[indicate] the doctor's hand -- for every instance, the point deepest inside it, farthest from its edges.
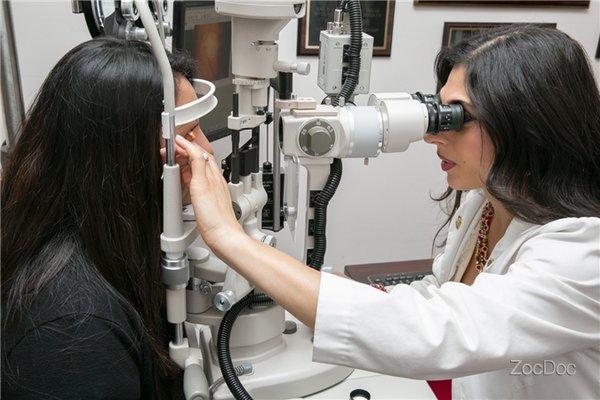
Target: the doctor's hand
(286, 280)
(185, 169)
(210, 196)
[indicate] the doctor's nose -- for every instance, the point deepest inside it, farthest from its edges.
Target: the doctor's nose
(440, 138)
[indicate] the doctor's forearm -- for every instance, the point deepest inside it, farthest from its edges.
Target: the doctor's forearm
(290, 283)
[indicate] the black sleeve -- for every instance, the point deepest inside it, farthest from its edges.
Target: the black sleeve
(73, 357)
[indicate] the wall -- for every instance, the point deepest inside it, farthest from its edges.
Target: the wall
(383, 211)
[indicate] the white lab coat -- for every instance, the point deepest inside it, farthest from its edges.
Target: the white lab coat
(536, 305)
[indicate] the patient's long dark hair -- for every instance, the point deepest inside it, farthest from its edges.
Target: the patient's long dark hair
(535, 95)
(83, 182)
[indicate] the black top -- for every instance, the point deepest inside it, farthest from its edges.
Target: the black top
(77, 341)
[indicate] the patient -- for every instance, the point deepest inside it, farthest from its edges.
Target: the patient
(82, 298)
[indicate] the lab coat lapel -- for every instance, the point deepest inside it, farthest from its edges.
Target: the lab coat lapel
(505, 250)
(463, 222)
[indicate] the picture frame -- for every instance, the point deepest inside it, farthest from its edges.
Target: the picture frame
(201, 32)
(560, 3)
(455, 32)
(378, 21)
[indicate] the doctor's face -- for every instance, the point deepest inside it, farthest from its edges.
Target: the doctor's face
(466, 154)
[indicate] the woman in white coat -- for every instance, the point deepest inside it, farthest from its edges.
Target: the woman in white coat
(512, 309)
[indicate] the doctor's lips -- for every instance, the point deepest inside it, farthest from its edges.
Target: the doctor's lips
(446, 164)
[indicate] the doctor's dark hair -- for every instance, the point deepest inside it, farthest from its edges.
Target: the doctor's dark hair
(534, 94)
(82, 187)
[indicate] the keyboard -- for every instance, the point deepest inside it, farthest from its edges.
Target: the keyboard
(395, 278)
(389, 273)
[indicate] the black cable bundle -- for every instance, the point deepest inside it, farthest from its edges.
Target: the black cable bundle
(320, 218)
(223, 354)
(335, 176)
(353, 71)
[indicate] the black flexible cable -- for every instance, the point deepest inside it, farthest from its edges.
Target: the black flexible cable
(353, 71)
(335, 176)
(223, 337)
(320, 218)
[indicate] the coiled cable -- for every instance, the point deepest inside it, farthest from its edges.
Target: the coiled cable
(353, 71)
(320, 218)
(223, 354)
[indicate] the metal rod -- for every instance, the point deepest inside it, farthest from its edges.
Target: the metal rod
(76, 7)
(172, 219)
(178, 334)
(170, 138)
(284, 91)
(255, 143)
(170, 152)
(236, 104)
(235, 142)
(159, 14)
(203, 342)
(235, 157)
(276, 172)
(13, 106)
(270, 125)
(160, 54)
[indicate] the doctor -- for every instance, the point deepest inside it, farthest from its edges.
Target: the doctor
(512, 309)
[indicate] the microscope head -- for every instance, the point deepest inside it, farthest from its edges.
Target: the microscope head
(262, 9)
(255, 27)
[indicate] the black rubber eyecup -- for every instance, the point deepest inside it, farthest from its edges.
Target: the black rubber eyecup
(360, 394)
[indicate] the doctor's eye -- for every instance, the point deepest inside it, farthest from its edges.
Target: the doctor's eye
(468, 118)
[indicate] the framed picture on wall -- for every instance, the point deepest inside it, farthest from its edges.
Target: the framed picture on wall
(568, 3)
(378, 21)
(455, 32)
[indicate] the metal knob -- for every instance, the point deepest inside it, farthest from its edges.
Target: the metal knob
(301, 68)
(317, 137)
(224, 300)
(270, 240)
(319, 140)
(289, 211)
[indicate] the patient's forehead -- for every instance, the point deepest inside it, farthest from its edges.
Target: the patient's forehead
(184, 92)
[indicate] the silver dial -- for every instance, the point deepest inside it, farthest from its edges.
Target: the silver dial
(316, 138)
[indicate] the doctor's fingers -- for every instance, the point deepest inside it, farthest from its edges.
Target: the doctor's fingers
(186, 174)
(197, 156)
(213, 169)
(180, 153)
(206, 173)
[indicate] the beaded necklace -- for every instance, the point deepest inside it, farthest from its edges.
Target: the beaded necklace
(482, 245)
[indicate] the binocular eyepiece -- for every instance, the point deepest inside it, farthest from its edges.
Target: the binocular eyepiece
(442, 117)
(388, 124)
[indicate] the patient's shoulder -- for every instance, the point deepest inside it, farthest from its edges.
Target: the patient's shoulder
(77, 295)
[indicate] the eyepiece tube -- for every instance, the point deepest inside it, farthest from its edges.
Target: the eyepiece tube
(441, 117)
(404, 120)
(388, 124)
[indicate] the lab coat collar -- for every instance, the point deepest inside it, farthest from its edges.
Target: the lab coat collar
(465, 222)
